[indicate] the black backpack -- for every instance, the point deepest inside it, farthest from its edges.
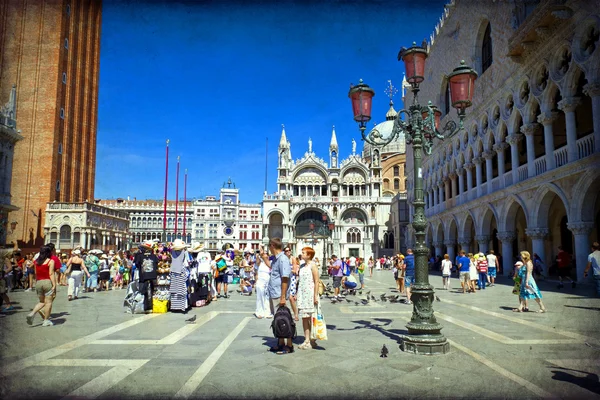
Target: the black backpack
(283, 324)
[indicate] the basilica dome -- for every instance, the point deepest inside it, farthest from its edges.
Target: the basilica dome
(398, 145)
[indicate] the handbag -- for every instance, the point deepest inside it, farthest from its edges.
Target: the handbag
(319, 328)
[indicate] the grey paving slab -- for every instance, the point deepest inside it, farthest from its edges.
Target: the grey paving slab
(347, 365)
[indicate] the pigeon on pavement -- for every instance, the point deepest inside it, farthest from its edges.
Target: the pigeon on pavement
(191, 320)
(384, 352)
(437, 298)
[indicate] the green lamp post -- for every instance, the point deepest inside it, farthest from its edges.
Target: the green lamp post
(420, 127)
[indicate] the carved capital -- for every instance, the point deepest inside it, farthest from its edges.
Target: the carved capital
(452, 175)
(449, 243)
(547, 118)
(438, 244)
(459, 170)
(530, 129)
(514, 139)
(536, 233)
(592, 89)
(487, 155)
(478, 160)
(569, 104)
(469, 165)
(506, 236)
(500, 147)
(482, 238)
(580, 228)
(445, 179)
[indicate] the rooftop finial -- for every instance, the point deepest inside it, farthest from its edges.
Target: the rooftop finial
(390, 90)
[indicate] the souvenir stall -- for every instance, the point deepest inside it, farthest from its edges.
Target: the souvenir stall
(161, 294)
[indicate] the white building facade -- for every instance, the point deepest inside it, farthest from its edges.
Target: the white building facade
(226, 221)
(312, 194)
(524, 174)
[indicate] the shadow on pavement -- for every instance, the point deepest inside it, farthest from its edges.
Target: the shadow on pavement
(585, 308)
(590, 382)
(393, 334)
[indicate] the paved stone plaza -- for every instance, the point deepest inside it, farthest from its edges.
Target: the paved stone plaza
(95, 350)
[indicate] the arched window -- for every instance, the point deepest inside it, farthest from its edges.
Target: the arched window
(353, 235)
(396, 184)
(396, 170)
(486, 49)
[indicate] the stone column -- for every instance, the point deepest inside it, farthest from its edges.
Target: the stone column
(529, 131)
(478, 175)
(450, 249)
(465, 244)
(568, 106)
(446, 188)
(461, 181)
(593, 90)
(507, 239)
(514, 140)
(441, 191)
(435, 196)
(546, 119)
(439, 251)
(84, 240)
(538, 238)
(453, 184)
(581, 232)
(499, 148)
(430, 196)
(483, 241)
(469, 167)
(489, 170)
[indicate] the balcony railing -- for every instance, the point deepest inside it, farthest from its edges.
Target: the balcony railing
(540, 165)
(585, 146)
(522, 171)
(561, 156)
(496, 184)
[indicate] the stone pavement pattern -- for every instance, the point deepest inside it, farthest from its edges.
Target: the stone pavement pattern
(96, 350)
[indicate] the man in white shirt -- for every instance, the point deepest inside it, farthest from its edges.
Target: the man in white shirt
(594, 263)
(352, 263)
(492, 266)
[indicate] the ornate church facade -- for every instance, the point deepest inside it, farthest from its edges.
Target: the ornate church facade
(338, 207)
(524, 174)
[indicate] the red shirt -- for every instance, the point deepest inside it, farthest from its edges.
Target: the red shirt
(564, 259)
(482, 265)
(42, 271)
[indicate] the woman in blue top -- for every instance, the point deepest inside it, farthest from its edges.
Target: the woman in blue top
(529, 289)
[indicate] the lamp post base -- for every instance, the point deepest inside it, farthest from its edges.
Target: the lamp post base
(425, 344)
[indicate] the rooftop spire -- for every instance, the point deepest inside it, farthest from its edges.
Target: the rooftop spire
(333, 143)
(283, 142)
(390, 90)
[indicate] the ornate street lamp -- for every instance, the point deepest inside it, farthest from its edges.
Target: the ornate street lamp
(327, 228)
(420, 128)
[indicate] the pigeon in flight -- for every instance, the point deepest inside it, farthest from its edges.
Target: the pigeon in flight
(384, 352)
(191, 320)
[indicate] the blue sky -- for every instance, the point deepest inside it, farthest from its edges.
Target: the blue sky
(219, 78)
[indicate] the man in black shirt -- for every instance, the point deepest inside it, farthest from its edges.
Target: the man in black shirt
(147, 263)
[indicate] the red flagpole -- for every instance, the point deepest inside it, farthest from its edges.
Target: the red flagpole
(165, 201)
(176, 197)
(184, 202)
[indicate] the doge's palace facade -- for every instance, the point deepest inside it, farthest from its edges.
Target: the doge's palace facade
(524, 174)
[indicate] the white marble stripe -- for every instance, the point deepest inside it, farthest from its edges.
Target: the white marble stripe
(482, 331)
(168, 340)
(100, 384)
(36, 359)
(536, 325)
(196, 379)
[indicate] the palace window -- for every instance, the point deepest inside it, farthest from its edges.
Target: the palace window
(396, 170)
(66, 43)
(353, 235)
(62, 113)
(64, 77)
(486, 49)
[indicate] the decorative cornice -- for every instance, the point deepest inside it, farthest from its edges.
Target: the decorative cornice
(514, 139)
(500, 147)
(547, 118)
(506, 236)
(530, 129)
(537, 233)
(592, 89)
(482, 238)
(569, 104)
(580, 228)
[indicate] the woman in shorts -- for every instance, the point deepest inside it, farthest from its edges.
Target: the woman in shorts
(45, 286)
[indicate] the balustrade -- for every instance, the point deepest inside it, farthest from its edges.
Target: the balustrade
(522, 172)
(561, 156)
(540, 165)
(585, 146)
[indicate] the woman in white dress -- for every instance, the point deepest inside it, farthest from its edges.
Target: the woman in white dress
(308, 294)
(263, 310)
(473, 273)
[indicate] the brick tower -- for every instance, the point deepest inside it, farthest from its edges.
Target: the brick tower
(51, 50)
